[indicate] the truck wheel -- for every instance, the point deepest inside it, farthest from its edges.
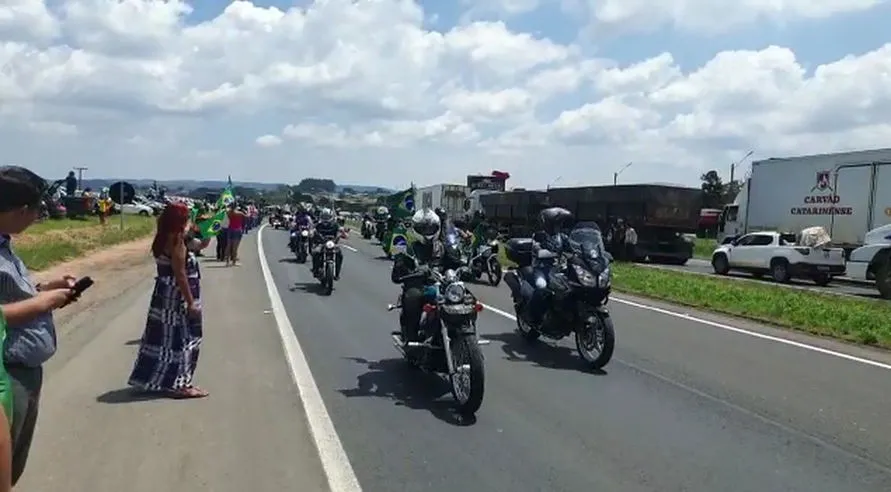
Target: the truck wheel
(883, 277)
(720, 264)
(822, 279)
(779, 270)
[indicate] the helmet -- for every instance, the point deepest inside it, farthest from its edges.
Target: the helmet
(326, 215)
(426, 224)
(441, 213)
(554, 219)
(382, 210)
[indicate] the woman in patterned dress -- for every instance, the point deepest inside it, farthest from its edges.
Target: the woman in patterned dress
(168, 352)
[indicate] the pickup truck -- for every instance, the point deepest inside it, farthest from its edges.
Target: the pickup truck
(780, 256)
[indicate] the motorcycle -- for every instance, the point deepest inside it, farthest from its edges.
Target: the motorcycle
(451, 346)
(380, 230)
(455, 253)
(328, 266)
(367, 229)
(486, 262)
(578, 290)
(300, 243)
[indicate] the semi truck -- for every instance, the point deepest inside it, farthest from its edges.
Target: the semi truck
(848, 194)
(661, 214)
(450, 197)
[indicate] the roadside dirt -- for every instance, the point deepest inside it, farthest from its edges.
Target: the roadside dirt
(115, 270)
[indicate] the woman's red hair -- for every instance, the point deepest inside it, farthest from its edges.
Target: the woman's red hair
(171, 223)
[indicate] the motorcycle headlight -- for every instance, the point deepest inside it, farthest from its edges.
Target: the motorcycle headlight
(304, 233)
(329, 244)
(605, 278)
(454, 292)
(293, 234)
(584, 276)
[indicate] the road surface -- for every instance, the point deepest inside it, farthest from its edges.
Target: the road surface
(249, 435)
(685, 406)
(838, 287)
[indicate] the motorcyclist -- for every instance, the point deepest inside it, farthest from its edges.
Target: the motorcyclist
(481, 230)
(553, 221)
(326, 230)
(424, 253)
(302, 219)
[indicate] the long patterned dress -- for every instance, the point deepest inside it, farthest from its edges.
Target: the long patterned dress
(168, 352)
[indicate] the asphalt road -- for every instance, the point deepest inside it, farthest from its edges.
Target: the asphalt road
(685, 405)
(837, 287)
(249, 435)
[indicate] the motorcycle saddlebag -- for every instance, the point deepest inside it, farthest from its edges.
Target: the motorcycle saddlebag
(519, 251)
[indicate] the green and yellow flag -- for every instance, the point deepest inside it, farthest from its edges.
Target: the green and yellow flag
(402, 203)
(212, 225)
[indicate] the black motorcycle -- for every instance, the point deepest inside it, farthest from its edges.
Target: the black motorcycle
(484, 261)
(328, 266)
(299, 244)
(367, 229)
(380, 230)
(578, 290)
(450, 346)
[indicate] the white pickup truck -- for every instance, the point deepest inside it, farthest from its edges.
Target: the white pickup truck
(780, 256)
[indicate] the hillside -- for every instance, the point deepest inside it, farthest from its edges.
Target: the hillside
(188, 185)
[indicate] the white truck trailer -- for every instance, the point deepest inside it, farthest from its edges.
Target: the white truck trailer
(450, 197)
(848, 194)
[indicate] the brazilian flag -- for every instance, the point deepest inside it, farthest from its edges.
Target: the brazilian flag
(402, 203)
(211, 226)
(398, 235)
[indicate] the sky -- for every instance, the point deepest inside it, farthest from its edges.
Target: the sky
(389, 92)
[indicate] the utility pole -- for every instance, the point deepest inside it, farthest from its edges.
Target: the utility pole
(737, 163)
(80, 176)
(617, 173)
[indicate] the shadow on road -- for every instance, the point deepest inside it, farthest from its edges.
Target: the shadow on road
(129, 395)
(136, 341)
(313, 287)
(394, 379)
(540, 353)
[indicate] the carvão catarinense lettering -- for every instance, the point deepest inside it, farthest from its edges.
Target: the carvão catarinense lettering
(822, 205)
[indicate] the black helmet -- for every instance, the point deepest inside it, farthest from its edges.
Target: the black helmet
(441, 213)
(554, 219)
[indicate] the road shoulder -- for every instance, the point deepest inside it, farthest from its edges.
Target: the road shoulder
(250, 434)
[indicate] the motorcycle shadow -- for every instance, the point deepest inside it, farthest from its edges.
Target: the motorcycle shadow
(548, 355)
(290, 259)
(314, 287)
(394, 379)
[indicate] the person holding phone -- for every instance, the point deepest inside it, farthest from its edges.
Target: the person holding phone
(31, 332)
(168, 351)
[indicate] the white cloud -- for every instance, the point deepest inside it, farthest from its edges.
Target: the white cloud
(269, 141)
(362, 92)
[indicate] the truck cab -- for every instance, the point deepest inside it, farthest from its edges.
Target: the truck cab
(872, 261)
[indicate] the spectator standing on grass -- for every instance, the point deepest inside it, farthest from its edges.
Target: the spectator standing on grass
(31, 335)
(70, 184)
(168, 351)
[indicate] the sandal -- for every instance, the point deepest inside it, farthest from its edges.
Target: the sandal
(188, 393)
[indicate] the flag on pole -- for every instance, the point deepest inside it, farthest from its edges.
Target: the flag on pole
(212, 225)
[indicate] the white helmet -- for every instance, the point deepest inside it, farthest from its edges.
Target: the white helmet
(382, 210)
(425, 223)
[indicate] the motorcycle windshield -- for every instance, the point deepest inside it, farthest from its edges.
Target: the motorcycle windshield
(591, 242)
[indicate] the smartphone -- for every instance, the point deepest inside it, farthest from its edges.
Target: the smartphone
(81, 285)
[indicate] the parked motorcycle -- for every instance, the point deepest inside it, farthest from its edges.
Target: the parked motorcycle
(485, 261)
(299, 244)
(578, 291)
(328, 266)
(450, 344)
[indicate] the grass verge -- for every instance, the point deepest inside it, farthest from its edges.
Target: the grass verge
(703, 248)
(55, 241)
(852, 319)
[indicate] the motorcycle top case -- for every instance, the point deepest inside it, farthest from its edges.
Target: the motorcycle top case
(519, 251)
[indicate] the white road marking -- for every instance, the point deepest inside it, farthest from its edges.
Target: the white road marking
(336, 464)
(350, 248)
(726, 327)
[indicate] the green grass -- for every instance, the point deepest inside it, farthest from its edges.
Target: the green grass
(55, 241)
(852, 319)
(703, 248)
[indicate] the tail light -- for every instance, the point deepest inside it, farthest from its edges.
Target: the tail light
(477, 307)
(429, 308)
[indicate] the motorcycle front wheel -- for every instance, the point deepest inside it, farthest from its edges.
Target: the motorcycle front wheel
(468, 386)
(495, 272)
(596, 341)
(328, 279)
